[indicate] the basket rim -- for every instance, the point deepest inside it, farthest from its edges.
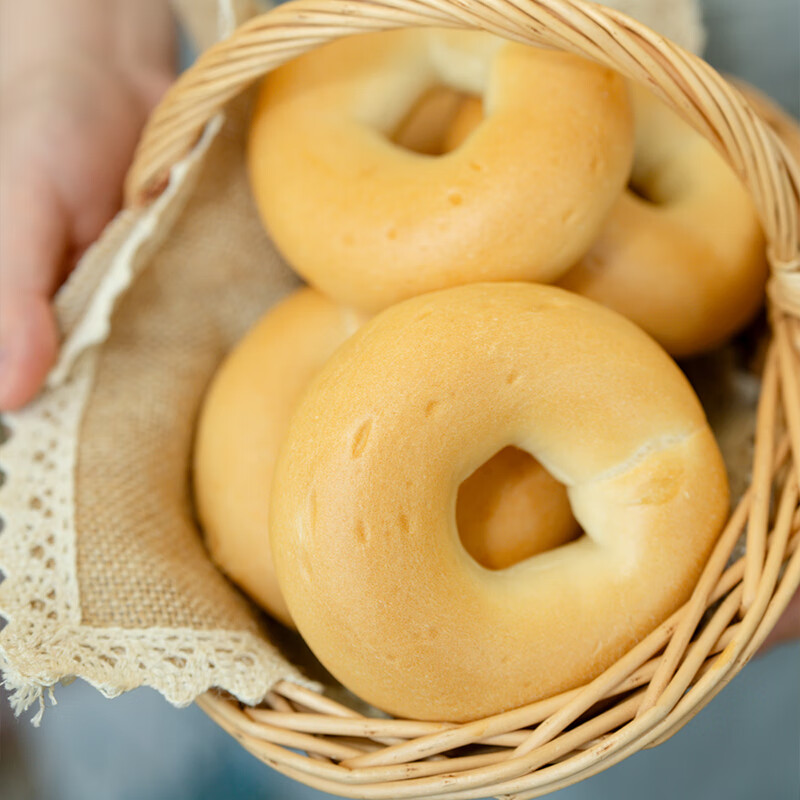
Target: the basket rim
(683, 670)
(688, 84)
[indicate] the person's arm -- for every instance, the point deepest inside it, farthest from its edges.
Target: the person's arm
(77, 81)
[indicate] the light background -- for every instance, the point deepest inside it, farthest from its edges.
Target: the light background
(745, 745)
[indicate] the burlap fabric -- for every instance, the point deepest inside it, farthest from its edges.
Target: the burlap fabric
(107, 578)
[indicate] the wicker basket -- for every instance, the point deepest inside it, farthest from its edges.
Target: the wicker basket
(664, 681)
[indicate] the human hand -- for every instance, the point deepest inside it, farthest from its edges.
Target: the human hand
(77, 81)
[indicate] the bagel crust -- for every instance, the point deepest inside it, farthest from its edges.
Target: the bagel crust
(363, 524)
(371, 223)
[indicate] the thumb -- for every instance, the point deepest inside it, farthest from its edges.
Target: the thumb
(33, 238)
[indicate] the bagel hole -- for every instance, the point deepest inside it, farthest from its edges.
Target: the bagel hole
(438, 122)
(512, 508)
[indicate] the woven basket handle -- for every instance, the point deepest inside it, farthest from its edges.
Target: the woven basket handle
(689, 85)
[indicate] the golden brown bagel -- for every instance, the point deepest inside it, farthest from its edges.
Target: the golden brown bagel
(242, 423)
(363, 509)
(371, 223)
(509, 509)
(687, 264)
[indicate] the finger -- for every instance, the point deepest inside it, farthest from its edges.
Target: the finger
(151, 86)
(33, 236)
(30, 345)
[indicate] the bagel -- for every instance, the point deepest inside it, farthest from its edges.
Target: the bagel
(522, 199)
(682, 253)
(243, 420)
(362, 519)
(509, 509)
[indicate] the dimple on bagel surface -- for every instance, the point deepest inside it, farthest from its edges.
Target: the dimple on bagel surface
(371, 223)
(363, 509)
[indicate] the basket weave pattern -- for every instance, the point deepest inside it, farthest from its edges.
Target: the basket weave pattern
(659, 685)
